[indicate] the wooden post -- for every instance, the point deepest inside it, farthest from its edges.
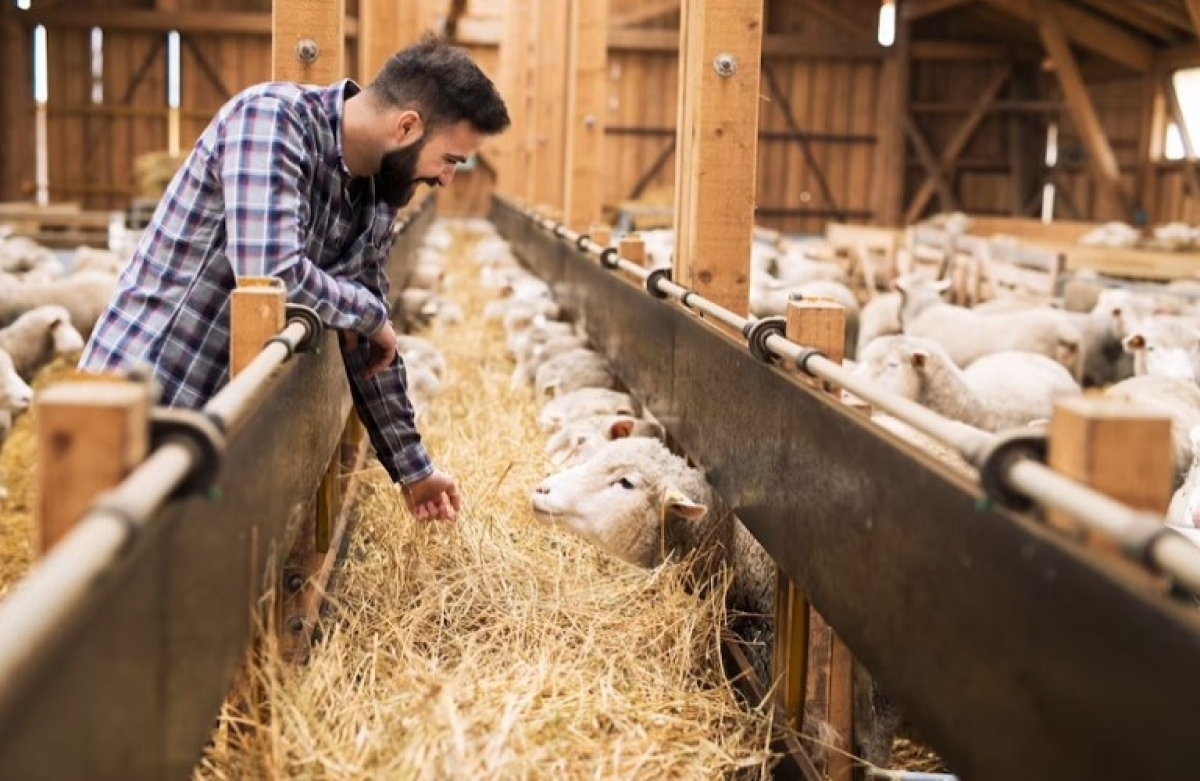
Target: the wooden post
(633, 249)
(532, 91)
(818, 323)
(587, 105)
(1117, 449)
(720, 49)
(308, 40)
(511, 82)
(1100, 154)
(384, 28)
(257, 312)
(91, 434)
(549, 120)
(891, 167)
(600, 233)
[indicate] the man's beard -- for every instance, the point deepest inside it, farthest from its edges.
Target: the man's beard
(397, 181)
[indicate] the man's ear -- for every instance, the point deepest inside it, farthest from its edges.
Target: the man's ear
(409, 126)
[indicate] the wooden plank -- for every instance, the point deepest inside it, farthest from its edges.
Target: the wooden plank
(91, 434)
(1100, 154)
(934, 177)
(256, 314)
(587, 106)
(644, 12)
(807, 45)
(532, 92)
(835, 16)
(890, 171)
(547, 166)
(128, 20)
(959, 51)
(511, 82)
(718, 146)
(1134, 16)
(1193, 10)
(386, 27)
(919, 9)
(1189, 151)
(320, 21)
(958, 143)
(1087, 30)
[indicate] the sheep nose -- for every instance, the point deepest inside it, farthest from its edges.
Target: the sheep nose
(542, 489)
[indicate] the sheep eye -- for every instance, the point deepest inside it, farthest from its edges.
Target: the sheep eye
(626, 483)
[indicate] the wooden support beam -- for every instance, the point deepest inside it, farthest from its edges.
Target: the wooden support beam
(807, 45)
(913, 10)
(715, 182)
(533, 90)
(1023, 160)
(1135, 16)
(890, 172)
(386, 28)
(547, 166)
(295, 26)
(934, 174)
(959, 51)
(1193, 10)
(587, 106)
(511, 81)
(257, 313)
(454, 15)
(184, 22)
(91, 434)
(645, 11)
(962, 137)
(1085, 29)
(1100, 154)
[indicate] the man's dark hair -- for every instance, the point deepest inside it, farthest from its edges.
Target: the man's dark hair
(443, 84)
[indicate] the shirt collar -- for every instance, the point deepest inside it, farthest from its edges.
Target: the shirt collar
(334, 101)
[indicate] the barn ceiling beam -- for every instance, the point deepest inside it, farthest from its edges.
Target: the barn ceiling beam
(1087, 30)
(1193, 9)
(913, 10)
(185, 22)
(1134, 15)
(959, 141)
(644, 12)
(835, 14)
(1100, 154)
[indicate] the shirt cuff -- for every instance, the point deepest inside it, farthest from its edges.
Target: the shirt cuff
(374, 320)
(413, 464)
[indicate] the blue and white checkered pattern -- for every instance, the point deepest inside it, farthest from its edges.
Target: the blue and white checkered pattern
(265, 192)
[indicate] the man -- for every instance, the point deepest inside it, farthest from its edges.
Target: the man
(303, 183)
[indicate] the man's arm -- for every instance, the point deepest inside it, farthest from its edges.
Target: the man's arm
(266, 170)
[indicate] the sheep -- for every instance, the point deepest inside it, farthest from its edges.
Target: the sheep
(534, 353)
(880, 317)
(967, 336)
(1185, 503)
(1103, 361)
(93, 259)
(416, 349)
(637, 501)
(583, 403)
(1112, 234)
(580, 439)
(1002, 390)
(572, 370)
(15, 393)
(1177, 399)
(540, 330)
(1168, 346)
(85, 295)
(37, 337)
(423, 385)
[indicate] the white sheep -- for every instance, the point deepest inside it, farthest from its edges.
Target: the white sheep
(1177, 399)
(534, 353)
(586, 402)
(640, 503)
(417, 349)
(580, 439)
(39, 336)
(572, 370)
(1002, 390)
(94, 259)
(85, 295)
(1185, 503)
(1165, 345)
(15, 393)
(879, 317)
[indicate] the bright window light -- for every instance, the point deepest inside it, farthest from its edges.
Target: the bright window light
(1173, 149)
(1187, 89)
(97, 65)
(173, 69)
(887, 23)
(41, 77)
(1052, 145)
(23, 4)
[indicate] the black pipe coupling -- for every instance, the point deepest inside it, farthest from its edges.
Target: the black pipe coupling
(656, 276)
(1007, 449)
(610, 258)
(202, 434)
(581, 242)
(758, 331)
(559, 230)
(316, 329)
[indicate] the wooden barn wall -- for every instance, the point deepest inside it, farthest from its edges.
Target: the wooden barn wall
(17, 142)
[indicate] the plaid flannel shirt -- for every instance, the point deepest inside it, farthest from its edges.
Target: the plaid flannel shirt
(265, 192)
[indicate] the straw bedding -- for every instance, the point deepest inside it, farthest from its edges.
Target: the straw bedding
(494, 647)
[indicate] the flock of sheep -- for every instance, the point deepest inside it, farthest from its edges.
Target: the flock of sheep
(47, 310)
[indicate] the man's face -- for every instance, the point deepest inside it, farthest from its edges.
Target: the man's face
(431, 159)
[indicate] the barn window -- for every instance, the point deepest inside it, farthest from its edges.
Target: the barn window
(97, 65)
(41, 95)
(1187, 88)
(23, 4)
(887, 23)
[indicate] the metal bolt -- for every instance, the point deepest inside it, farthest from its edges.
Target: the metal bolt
(589, 121)
(795, 296)
(295, 625)
(308, 51)
(726, 64)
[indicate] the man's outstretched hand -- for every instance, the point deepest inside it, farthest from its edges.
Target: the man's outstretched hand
(434, 498)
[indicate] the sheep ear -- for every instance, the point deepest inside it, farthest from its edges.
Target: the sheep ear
(919, 359)
(676, 503)
(1133, 342)
(621, 428)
